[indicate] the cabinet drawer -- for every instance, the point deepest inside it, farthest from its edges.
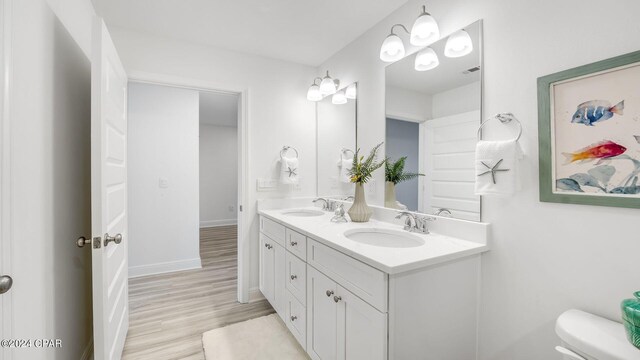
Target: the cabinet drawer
(368, 283)
(272, 229)
(296, 320)
(296, 243)
(296, 277)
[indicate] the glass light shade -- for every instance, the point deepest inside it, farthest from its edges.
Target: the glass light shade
(339, 98)
(351, 91)
(392, 49)
(426, 59)
(327, 86)
(313, 94)
(425, 30)
(458, 44)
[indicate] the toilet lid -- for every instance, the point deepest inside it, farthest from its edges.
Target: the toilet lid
(595, 336)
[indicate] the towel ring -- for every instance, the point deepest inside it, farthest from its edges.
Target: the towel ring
(346, 151)
(504, 118)
(286, 148)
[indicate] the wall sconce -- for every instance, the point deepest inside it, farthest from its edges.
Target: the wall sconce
(458, 44)
(426, 59)
(339, 98)
(313, 94)
(351, 91)
(329, 86)
(424, 32)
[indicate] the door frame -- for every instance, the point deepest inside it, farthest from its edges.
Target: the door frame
(244, 238)
(6, 327)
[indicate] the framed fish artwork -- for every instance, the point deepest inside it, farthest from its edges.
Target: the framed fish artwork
(589, 133)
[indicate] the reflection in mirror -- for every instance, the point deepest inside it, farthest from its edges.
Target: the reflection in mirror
(432, 120)
(337, 121)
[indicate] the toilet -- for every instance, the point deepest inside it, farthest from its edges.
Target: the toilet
(586, 336)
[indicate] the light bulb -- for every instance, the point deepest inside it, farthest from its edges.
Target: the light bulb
(327, 86)
(392, 48)
(458, 44)
(425, 30)
(313, 94)
(339, 98)
(426, 59)
(351, 91)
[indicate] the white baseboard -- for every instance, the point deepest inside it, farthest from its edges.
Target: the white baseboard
(171, 266)
(255, 295)
(214, 223)
(87, 354)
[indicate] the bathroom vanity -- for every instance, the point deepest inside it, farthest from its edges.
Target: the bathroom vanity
(373, 291)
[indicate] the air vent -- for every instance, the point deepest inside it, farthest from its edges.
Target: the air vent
(472, 70)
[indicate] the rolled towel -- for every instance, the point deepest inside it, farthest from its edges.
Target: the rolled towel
(497, 167)
(345, 167)
(289, 171)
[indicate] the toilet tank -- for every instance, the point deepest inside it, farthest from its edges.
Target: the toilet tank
(590, 337)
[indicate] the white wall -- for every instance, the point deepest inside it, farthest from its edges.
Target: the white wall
(218, 175)
(49, 134)
(405, 104)
(277, 106)
(163, 179)
(457, 101)
(545, 258)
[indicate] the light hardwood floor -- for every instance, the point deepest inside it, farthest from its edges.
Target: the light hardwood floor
(169, 312)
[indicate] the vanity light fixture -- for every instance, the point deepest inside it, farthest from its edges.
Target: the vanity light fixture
(426, 59)
(339, 98)
(392, 47)
(425, 29)
(458, 44)
(313, 94)
(351, 91)
(328, 86)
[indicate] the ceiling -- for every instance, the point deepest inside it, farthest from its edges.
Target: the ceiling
(301, 31)
(218, 109)
(448, 75)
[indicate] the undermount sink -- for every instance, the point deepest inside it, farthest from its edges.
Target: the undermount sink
(303, 213)
(384, 238)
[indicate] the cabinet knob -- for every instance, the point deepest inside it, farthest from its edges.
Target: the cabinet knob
(329, 293)
(337, 298)
(268, 246)
(293, 318)
(294, 243)
(293, 277)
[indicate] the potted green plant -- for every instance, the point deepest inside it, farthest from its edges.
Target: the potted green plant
(360, 173)
(394, 174)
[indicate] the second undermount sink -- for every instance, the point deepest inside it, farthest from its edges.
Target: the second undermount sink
(384, 238)
(303, 212)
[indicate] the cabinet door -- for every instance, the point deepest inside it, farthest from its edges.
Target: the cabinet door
(279, 277)
(361, 329)
(321, 316)
(267, 263)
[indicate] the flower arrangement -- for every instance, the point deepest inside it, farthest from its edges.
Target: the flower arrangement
(362, 169)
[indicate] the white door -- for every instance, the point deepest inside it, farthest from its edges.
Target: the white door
(361, 329)
(108, 196)
(321, 316)
(449, 165)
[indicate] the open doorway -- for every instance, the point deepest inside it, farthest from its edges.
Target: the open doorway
(185, 161)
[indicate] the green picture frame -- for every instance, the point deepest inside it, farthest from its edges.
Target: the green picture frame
(545, 118)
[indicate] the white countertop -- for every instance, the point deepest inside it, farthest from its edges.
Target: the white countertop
(437, 248)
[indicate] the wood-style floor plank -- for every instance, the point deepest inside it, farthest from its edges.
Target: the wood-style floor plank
(169, 312)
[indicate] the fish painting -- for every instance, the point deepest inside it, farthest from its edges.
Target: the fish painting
(604, 150)
(594, 111)
(568, 184)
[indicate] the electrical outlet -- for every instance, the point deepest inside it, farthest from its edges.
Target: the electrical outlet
(232, 208)
(163, 183)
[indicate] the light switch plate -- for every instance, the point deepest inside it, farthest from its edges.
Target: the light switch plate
(263, 184)
(163, 183)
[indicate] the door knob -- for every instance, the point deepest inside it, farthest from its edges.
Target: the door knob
(337, 298)
(115, 239)
(82, 241)
(294, 243)
(5, 283)
(293, 318)
(329, 293)
(293, 277)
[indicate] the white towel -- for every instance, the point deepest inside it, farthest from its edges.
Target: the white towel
(497, 160)
(345, 167)
(289, 171)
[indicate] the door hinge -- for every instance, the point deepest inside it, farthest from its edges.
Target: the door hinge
(240, 208)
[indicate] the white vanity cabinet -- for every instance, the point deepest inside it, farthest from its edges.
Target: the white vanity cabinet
(341, 308)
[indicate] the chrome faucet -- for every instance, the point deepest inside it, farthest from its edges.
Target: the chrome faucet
(414, 222)
(440, 211)
(349, 198)
(325, 203)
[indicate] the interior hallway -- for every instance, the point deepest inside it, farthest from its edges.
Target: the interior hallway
(169, 312)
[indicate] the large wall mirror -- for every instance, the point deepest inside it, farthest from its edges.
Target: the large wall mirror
(432, 118)
(337, 128)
